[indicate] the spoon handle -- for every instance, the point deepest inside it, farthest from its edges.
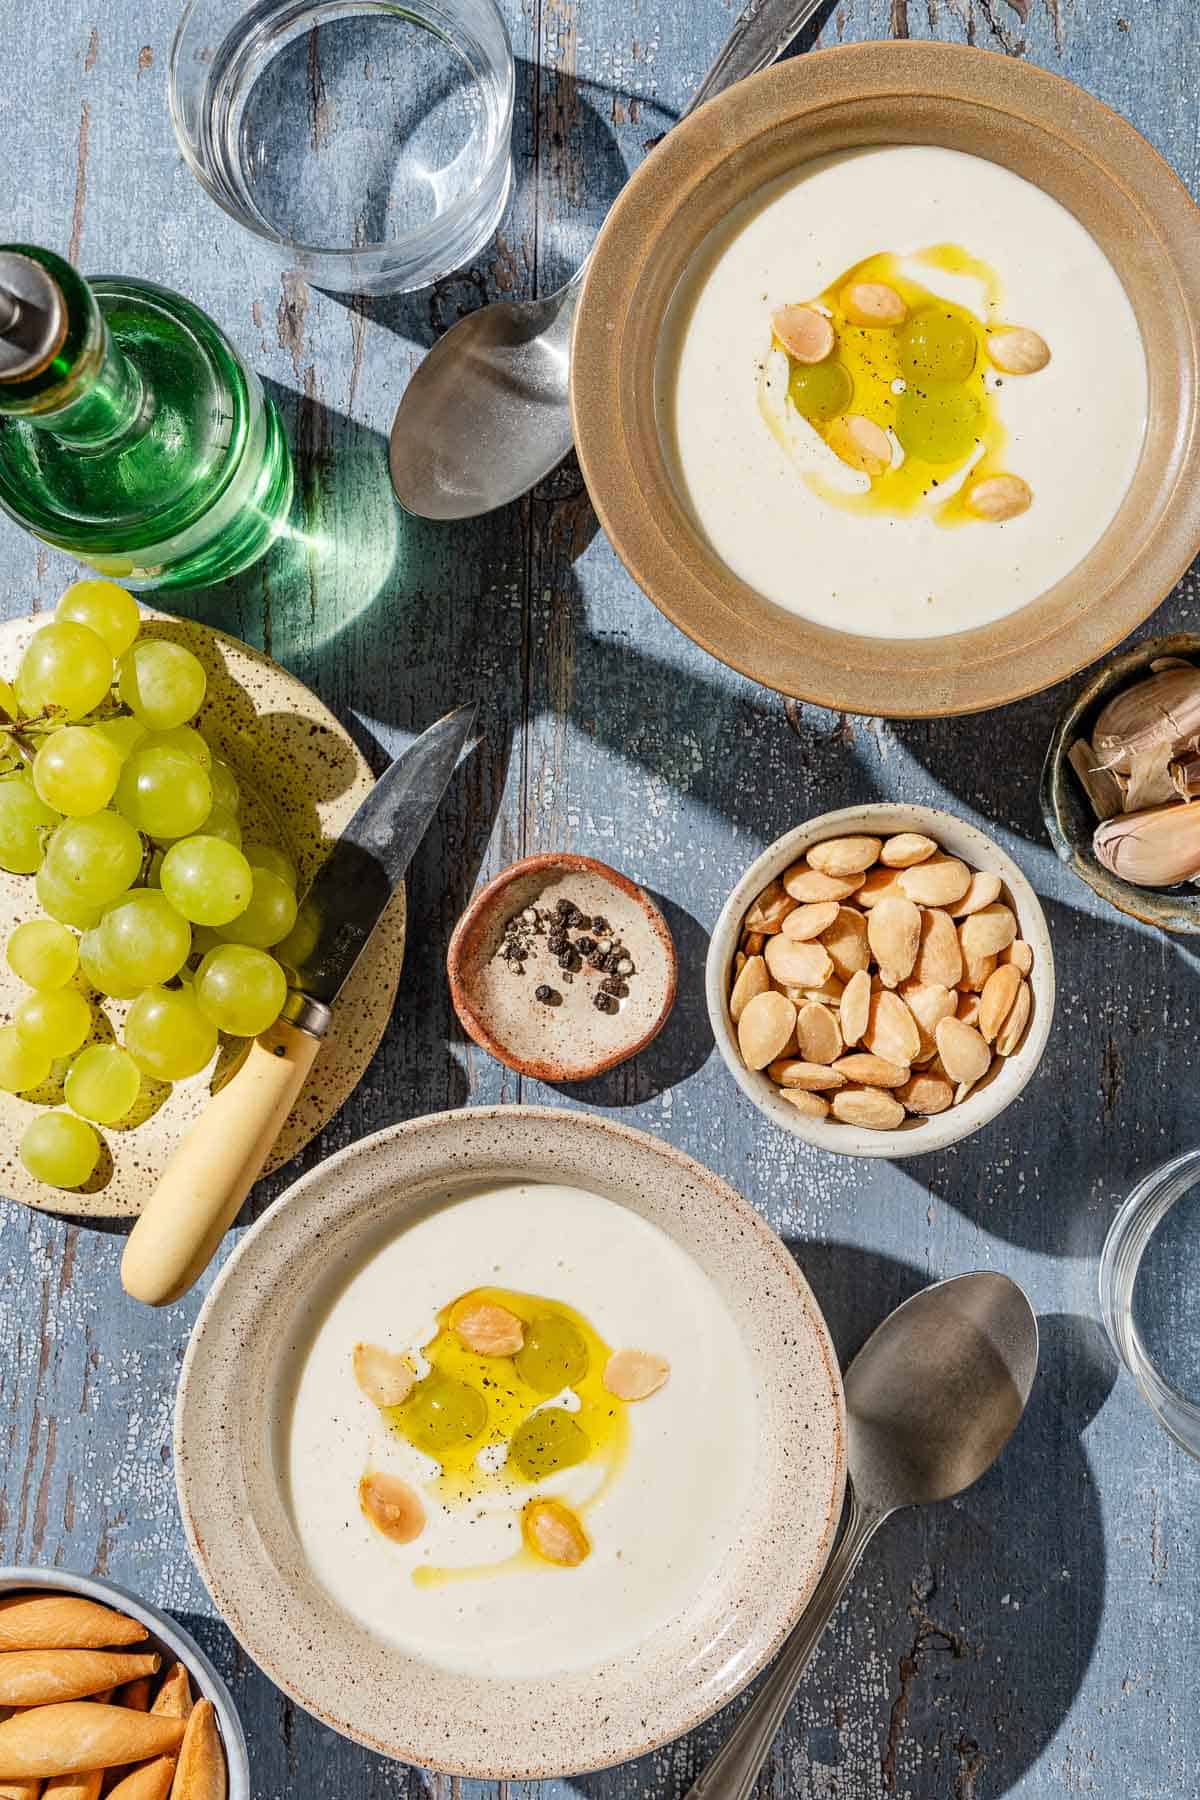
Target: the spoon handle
(733, 1771)
(762, 33)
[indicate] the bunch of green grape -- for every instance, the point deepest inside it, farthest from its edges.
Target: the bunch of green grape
(112, 801)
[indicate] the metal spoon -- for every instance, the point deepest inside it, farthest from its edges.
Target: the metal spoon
(932, 1398)
(486, 415)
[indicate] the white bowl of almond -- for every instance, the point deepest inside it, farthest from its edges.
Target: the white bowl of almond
(881, 982)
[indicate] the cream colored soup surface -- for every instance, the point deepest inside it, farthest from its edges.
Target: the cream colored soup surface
(1075, 429)
(659, 1532)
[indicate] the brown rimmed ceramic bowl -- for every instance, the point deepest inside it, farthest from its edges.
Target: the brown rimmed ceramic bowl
(1046, 130)
(568, 1039)
(1068, 813)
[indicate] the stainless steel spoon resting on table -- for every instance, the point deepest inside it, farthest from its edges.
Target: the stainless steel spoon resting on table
(486, 414)
(932, 1398)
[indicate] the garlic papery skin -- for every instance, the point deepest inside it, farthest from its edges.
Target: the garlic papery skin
(1162, 710)
(1159, 848)
(1185, 773)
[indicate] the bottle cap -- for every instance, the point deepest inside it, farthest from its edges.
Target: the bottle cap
(33, 316)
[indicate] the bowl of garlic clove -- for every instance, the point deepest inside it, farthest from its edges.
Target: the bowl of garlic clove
(1121, 783)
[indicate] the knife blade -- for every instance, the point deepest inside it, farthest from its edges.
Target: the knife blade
(221, 1156)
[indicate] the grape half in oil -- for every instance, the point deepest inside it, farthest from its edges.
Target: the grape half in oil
(442, 1413)
(554, 1355)
(546, 1442)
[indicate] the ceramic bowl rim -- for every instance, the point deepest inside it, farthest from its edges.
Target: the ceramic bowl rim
(980, 1107)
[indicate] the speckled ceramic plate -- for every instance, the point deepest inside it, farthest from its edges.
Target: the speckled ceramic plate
(231, 1410)
(302, 778)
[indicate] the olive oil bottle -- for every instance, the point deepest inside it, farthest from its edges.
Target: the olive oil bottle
(132, 435)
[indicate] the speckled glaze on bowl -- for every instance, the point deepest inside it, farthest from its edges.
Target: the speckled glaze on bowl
(574, 1041)
(302, 779)
(1007, 1076)
(234, 1510)
(1065, 807)
(170, 1638)
(764, 128)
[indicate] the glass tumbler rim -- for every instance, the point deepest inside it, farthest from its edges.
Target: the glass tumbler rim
(1139, 1216)
(422, 244)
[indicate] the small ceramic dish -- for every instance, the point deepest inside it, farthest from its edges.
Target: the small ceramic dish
(1007, 1076)
(566, 1038)
(233, 1469)
(302, 778)
(173, 1643)
(1069, 817)
(771, 126)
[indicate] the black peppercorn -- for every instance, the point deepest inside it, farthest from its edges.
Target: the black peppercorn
(546, 995)
(585, 945)
(604, 1003)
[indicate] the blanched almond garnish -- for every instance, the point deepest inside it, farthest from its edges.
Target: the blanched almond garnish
(488, 1329)
(393, 1507)
(870, 1107)
(871, 1071)
(805, 884)
(854, 1008)
(764, 1028)
(891, 1030)
(939, 959)
(1018, 351)
(811, 920)
(964, 1054)
(987, 932)
(805, 334)
(860, 443)
(999, 497)
(907, 848)
(385, 1378)
(894, 933)
(553, 1532)
(996, 1000)
(635, 1374)
(798, 964)
(873, 303)
(937, 882)
(818, 1035)
(844, 856)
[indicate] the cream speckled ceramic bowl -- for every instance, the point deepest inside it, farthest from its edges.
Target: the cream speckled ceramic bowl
(302, 779)
(227, 1438)
(1007, 1076)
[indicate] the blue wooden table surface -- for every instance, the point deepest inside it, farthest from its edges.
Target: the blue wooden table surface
(1037, 1637)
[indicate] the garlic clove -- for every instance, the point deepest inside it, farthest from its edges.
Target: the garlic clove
(1163, 709)
(1101, 786)
(1185, 776)
(1159, 848)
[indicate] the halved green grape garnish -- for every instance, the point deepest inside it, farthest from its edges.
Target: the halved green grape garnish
(937, 346)
(442, 1413)
(938, 425)
(554, 1355)
(820, 391)
(547, 1441)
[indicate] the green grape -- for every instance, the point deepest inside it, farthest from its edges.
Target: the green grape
(240, 989)
(161, 683)
(184, 738)
(547, 1441)
(302, 939)
(25, 824)
(153, 875)
(442, 1413)
(554, 1355)
(939, 425)
(124, 732)
(102, 1083)
(102, 973)
(225, 790)
(22, 1065)
(55, 1020)
(167, 1035)
(95, 859)
(276, 862)
(142, 940)
(61, 902)
(205, 939)
(163, 793)
(223, 824)
(105, 608)
(207, 880)
(820, 391)
(43, 954)
(268, 915)
(75, 771)
(60, 1150)
(65, 666)
(937, 346)
(8, 698)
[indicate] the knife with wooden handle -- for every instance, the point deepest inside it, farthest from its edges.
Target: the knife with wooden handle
(217, 1162)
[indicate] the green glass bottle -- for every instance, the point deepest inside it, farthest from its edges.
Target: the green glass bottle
(132, 435)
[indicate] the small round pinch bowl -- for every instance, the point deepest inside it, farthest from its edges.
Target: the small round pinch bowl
(166, 1636)
(1069, 817)
(1007, 1076)
(772, 126)
(569, 1039)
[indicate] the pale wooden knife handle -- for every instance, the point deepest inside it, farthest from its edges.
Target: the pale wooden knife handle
(201, 1190)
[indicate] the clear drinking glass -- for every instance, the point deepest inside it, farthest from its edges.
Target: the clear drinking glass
(368, 144)
(1150, 1294)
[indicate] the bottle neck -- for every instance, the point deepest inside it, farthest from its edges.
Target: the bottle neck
(88, 393)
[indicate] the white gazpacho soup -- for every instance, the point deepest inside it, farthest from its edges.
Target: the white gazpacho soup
(902, 393)
(522, 1436)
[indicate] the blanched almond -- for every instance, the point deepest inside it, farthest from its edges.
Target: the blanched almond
(844, 855)
(488, 1329)
(1008, 1039)
(795, 964)
(929, 1003)
(984, 888)
(1020, 954)
(809, 1106)
(968, 1009)
(860, 443)
(965, 1056)
(854, 1008)
(805, 884)
(793, 1072)
(385, 1378)
(635, 1374)
(926, 1094)
(770, 909)
(554, 1532)
(752, 980)
(846, 942)
(976, 970)
(999, 497)
(939, 958)
(806, 334)
(891, 1030)
(938, 881)
(987, 932)
(894, 933)
(818, 1035)
(753, 941)
(996, 1000)
(878, 885)
(907, 848)
(873, 303)
(811, 920)
(392, 1505)
(871, 1071)
(829, 993)
(764, 1028)
(869, 1107)
(1017, 350)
